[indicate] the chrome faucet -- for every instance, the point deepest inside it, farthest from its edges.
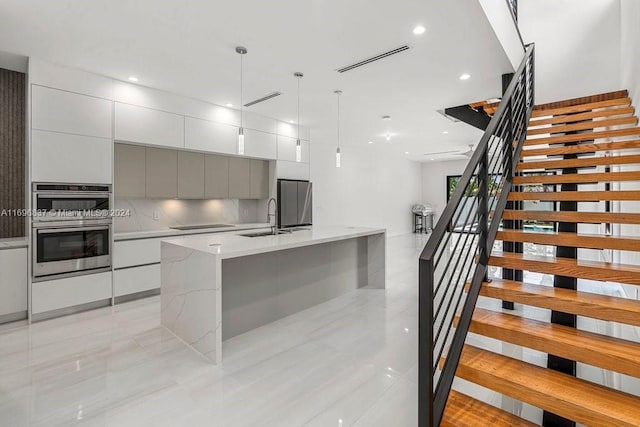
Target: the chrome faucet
(274, 227)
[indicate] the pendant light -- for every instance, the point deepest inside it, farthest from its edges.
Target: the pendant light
(298, 76)
(241, 51)
(338, 93)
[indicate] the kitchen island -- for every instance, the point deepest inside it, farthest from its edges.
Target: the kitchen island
(214, 287)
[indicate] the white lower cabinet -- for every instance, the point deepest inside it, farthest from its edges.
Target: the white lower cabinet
(70, 291)
(137, 266)
(131, 253)
(136, 279)
(13, 286)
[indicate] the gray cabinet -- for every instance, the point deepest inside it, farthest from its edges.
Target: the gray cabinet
(239, 178)
(161, 173)
(190, 175)
(259, 187)
(216, 177)
(129, 167)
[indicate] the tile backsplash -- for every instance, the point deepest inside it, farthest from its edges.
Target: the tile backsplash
(155, 214)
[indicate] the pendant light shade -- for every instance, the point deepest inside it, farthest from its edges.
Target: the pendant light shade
(338, 160)
(241, 51)
(241, 141)
(298, 75)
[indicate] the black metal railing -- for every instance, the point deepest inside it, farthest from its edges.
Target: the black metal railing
(513, 5)
(454, 261)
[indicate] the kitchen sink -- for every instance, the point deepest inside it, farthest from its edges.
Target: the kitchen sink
(265, 233)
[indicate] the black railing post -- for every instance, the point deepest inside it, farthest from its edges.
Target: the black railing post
(483, 207)
(425, 343)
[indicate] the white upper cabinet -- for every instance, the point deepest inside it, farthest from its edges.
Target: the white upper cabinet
(292, 170)
(210, 136)
(260, 144)
(287, 149)
(61, 111)
(291, 130)
(147, 126)
(60, 157)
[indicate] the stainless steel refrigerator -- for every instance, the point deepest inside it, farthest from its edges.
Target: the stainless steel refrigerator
(295, 203)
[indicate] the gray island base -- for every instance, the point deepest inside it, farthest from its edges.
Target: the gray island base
(216, 287)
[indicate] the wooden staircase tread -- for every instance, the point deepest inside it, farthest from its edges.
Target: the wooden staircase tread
(593, 349)
(573, 398)
(577, 178)
(586, 136)
(594, 270)
(574, 217)
(465, 411)
(589, 115)
(575, 240)
(582, 148)
(602, 307)
(578, 163)
(625, 101)
(576, 195)
(632, 120)
(581, 100)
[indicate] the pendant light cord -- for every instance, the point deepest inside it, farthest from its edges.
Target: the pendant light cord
(241, 89)
(298, 109)
(338, 120)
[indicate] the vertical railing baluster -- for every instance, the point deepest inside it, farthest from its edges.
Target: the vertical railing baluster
(483, 207)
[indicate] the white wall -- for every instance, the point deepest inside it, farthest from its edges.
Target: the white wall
(434, 182)
(630, 48)
(370, 189)
(577, 46)
(501, 19)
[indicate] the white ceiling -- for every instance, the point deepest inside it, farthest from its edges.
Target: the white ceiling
(187, 47)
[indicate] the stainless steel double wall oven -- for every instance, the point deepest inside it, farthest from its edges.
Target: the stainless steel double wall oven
(71, 229)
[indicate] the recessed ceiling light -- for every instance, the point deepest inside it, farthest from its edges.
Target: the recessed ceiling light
(444, 132)
(419, 30)
(290, 121)
(431, 159)
(388, 137)
(229, 105)
(133, 79)
(370, 142)
(406, 152)
(465, 76)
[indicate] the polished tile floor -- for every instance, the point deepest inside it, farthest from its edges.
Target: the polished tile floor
(350, 361)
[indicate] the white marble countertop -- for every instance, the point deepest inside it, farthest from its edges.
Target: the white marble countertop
(168, 232)
(13, 243)
(234, 245)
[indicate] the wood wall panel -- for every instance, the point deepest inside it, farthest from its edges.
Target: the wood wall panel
(12, 151)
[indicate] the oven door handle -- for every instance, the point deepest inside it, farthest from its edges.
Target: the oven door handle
(72, 195)
(70, 229)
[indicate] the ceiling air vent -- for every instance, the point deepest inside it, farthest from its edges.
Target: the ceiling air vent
(264, 98)
(373, 59)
